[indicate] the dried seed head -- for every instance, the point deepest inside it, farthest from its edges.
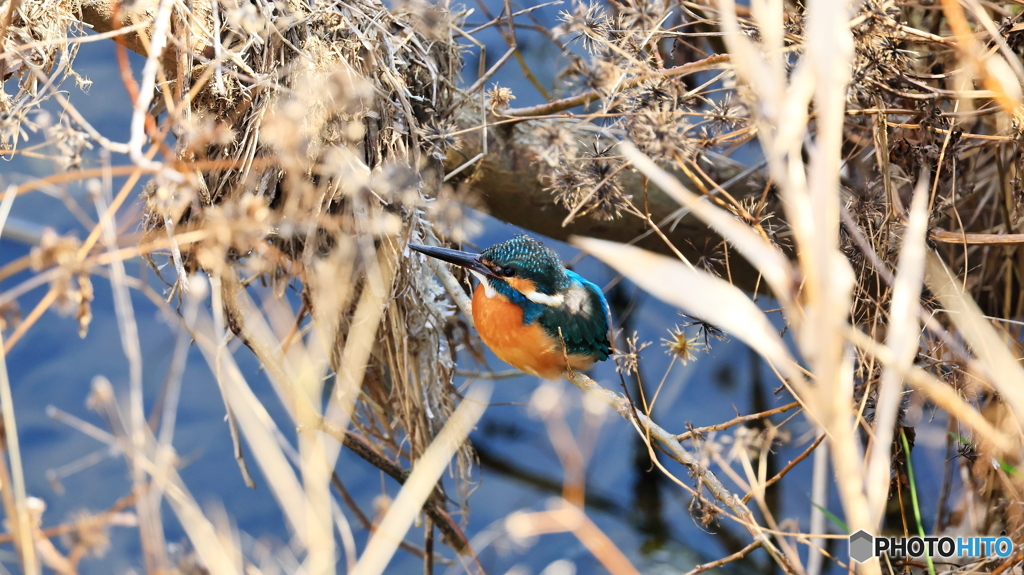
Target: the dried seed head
(587, 22)
(85, 297)
(10, 315)
(168, 200)
(711, 257)
(88, 534)
(498, 98)
(660, 134)
(627, 362)
(728, 114)
(70, 144)
(555, 143)
(439, 138)
(705, 331)
(603, 75)
(54, 250)
(641, 14)
(565, 182)
(681, 346)
(663, 93)
(592, 188)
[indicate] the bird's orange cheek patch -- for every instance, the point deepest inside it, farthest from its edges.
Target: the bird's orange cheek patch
(522, 285)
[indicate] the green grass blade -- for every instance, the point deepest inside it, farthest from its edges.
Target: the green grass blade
(833, 518)
(913, 496)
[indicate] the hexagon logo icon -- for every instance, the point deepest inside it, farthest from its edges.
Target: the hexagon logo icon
(861, 543)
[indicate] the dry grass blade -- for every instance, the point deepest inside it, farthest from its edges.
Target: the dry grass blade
(940, 393)
(148, 503)
(424, 477)
(18, 516)
(360, 339)
(256, 426)
(1003, 370)
(699, 294)
(208, 540)
(763, 70)
(768, 260)
(903, 339)
(810, 192)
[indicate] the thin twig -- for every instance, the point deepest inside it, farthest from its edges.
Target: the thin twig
(672, 446)
(736, 421)
(788, 467)
(948, 237)
(365, 522)
(435, 504)
(728, 559)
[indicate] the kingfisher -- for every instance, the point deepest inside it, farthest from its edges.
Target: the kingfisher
(532, 312)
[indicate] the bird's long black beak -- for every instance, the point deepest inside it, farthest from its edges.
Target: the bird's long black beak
(467, 260)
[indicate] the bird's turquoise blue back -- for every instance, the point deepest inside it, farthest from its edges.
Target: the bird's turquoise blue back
(585, 332)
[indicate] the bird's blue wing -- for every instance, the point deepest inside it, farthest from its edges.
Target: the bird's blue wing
(584, 325)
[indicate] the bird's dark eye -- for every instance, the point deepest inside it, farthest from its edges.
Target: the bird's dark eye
(507, 271)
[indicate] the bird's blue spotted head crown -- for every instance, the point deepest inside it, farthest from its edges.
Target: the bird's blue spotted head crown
(526, 258)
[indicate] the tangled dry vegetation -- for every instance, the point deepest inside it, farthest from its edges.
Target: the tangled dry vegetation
(859, 163)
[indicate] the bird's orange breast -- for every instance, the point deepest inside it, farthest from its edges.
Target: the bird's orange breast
(526, 347)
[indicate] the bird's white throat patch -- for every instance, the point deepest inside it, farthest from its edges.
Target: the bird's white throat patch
(488, 290)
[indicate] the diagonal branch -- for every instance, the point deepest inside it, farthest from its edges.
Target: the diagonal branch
(646, 427)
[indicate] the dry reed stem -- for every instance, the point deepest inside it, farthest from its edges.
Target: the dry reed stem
(756, 484)
(789, 466)
(33, 316)
(736, 421)
(964, 238)
(812, 207)
(421, 483)
(207, 539)
(1002, 79)
(903, 339)
(435, 508)
(940, 393)
(14, 494)
(140, 110)
(147, 502)
(724, 560)
(1003, 369)
(255, 422)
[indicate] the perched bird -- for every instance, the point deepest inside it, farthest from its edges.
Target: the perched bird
(532, 312)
